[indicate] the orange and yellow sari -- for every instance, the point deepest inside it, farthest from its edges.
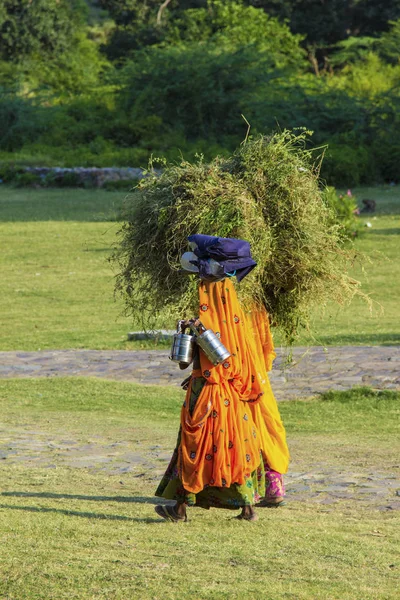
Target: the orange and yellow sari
(230, 423)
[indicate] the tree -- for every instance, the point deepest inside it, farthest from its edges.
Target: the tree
(44, 46)
(372, 17)
(135, 25)
(231, 23)
(326, 22)
(389, 43)
(44, 27)
(129, 12)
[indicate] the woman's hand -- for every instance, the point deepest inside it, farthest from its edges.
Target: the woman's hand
(188, 322)
(185, 383)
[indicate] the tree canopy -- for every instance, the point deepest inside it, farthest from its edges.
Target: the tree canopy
(114, 81)
(44, 26)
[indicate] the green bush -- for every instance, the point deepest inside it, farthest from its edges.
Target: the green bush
(387, 155)
(344, 210)
(345, 165)
(232, 25)
(78, 122)
(385, 125)
(8, 172)
(20, 121)
(26, 179)
(197, 91)
(62, 180)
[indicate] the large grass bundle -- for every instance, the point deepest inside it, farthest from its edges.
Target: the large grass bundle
(268, 193)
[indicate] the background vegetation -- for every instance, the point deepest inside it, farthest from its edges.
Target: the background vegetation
(111, 82)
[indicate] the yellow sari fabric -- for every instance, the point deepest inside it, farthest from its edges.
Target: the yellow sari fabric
(259, 325)
(266, 413)
(235, 416)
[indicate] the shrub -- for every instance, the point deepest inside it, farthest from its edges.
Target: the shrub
(68, 179)
(8, 172)
(344, 209)
(385, 125)
(75, 123)
(20, 121)
(346, 165)
(387, 155)
(26, 179)
(198, 91)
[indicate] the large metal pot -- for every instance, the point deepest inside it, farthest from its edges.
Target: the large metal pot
(211, 345)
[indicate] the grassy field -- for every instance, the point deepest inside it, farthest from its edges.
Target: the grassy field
(70, 531)
(57, 286)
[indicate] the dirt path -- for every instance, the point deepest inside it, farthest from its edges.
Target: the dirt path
(314, 370)
(127, 459)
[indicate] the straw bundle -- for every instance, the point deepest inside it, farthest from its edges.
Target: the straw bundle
(268, 193)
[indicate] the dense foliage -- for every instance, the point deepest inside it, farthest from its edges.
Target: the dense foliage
(104, 83)
(42, 27)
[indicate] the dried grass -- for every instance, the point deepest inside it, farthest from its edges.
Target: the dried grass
(268, 193)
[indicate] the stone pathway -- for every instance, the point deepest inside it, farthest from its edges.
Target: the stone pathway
(129, 459)
(313, 370)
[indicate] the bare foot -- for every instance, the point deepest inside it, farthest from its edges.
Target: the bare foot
(172, 513)
(248, 514)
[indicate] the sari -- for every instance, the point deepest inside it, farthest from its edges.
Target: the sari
(231, 447)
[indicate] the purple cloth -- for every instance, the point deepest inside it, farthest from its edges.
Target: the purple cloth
(233, 255)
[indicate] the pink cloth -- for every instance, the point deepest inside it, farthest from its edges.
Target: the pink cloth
(273, 484)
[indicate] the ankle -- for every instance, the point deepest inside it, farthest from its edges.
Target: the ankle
(180, 508)
(247, 511)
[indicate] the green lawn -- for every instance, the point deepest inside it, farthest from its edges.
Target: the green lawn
(57, 286)
(90, 533)
(381, 280)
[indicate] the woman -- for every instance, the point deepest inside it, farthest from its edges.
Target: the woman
(231, 448)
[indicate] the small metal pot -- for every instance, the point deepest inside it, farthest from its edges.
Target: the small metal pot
(182, 346)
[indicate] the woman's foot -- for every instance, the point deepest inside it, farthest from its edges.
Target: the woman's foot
(272, 502)
(248, 514)
(172, 513)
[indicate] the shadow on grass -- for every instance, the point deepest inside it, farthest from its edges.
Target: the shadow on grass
(76, 513)
(130, 499)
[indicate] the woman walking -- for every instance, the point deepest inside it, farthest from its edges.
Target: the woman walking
(231, 449)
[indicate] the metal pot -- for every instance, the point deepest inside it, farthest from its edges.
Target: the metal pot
(211, 345)
(182, 346)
